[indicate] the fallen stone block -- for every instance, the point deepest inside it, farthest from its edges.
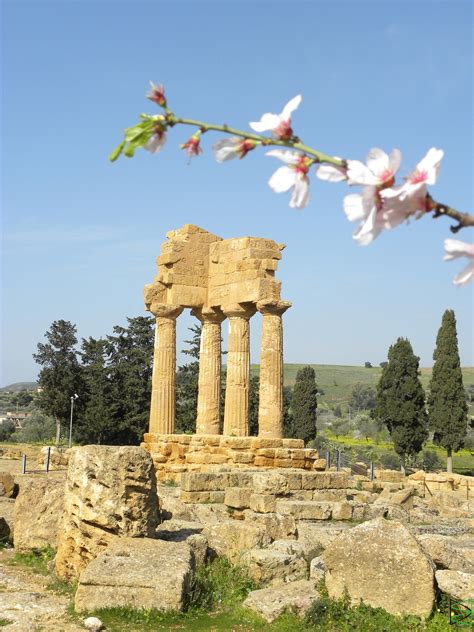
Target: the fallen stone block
(295, 597)
(381, 563)
(37, 513)
(8, 487)
(444, 554)
(277, 526)
(270, 567)
(110, 492)
(231, 538)
(184, 531)
(456, 583)
(139, 573)
(316, 536)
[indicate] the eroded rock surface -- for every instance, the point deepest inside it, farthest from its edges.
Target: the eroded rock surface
(110, 492)
(270, 603)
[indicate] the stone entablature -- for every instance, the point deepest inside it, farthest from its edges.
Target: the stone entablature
(217, 279)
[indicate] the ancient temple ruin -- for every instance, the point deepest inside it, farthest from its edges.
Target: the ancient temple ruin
(218, 279)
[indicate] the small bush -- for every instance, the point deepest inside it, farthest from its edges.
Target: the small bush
(390, 461)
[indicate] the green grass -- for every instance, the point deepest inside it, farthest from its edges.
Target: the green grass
(337, 381)
(36, 560)
(4, 622)
(215, 605)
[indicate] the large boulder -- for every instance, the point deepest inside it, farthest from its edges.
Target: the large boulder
(139, 573)
(270, 603)
(381, 563)
(110, 492)
(456, 583)
(7, 506)
(37, 513)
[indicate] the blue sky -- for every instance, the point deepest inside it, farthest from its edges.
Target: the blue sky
(80, 235)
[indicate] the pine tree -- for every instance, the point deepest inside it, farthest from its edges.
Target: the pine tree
(60, 377)
(130, 352)
(400, 402)
(447, 407)
(304, 404)
(96, 423)
(187, 379)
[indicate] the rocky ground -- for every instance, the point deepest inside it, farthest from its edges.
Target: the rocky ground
(27, 603)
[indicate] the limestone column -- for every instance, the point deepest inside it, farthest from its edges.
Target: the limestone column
(209, 393)
(270, 410)
(236, 414)
(163, 388)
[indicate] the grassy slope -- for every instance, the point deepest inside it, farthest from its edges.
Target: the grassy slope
(338, 381)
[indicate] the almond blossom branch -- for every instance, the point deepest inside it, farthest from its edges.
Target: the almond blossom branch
(439, 209)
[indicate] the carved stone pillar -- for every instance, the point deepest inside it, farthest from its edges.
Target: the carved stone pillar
(236, 415)
(270, 409)
(209, 394)
(163, 388)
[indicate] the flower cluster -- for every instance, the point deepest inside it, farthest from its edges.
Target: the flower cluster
(381, 204)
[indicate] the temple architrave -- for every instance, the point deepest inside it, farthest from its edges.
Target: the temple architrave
(219, 279)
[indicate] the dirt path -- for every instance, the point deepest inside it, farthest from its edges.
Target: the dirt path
(26, 602)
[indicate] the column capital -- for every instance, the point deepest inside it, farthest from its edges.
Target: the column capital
(273, 307)
(209, 314)
(161, 310)
(239, 310)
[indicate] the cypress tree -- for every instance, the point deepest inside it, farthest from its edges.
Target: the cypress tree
(400, 401)
(304, 404)
(446, 402)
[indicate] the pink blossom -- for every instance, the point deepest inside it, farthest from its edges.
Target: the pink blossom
(192, 146)
(379, 171)
(157, 140)
(157, 95)
(294, 176)
(455, 249)
(234, 147)
(278, 124)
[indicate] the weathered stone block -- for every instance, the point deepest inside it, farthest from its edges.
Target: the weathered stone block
(275, 525)
(292, 443)
(120, 576)
(319, 465)
(324, 480)
(7, 485)
(230, 538)
(295, 597)
(456, 583)
(288, 463)
(202, 497)
(341, 511)
(269, 567)
(207, 481)
(381, 563)
(262, 503)
(237, 497)
(270, 483)
(305, 510)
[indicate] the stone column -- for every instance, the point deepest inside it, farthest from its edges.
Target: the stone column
(236, 415)
(209, 394)
(163, 387)
(270, 409)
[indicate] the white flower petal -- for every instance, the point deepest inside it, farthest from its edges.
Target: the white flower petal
(395, 160)
(358, 173)
(465, 276)
(289, 157)
(290, 107)
(431, 164)
(377, 161)
(300, 197)
(455, 248)
(155, 143)
(368, 230)
(267, 122)
(353, 207)
(282, 180)
(331, 173)
(226, 149)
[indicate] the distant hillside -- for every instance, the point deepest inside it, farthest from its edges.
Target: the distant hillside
(337, 381)
(20, 386)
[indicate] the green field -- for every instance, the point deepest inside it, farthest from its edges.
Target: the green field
(337, 381)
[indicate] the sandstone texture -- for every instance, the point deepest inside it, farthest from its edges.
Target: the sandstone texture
(140, 573)
(231, 537)
(444, 554)
(110, 492)
(271, 567)
(189, 532)
(7, 506)
(7, 485)
(456, 583)
(270, 603)
(37, 513)
(381, 563)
